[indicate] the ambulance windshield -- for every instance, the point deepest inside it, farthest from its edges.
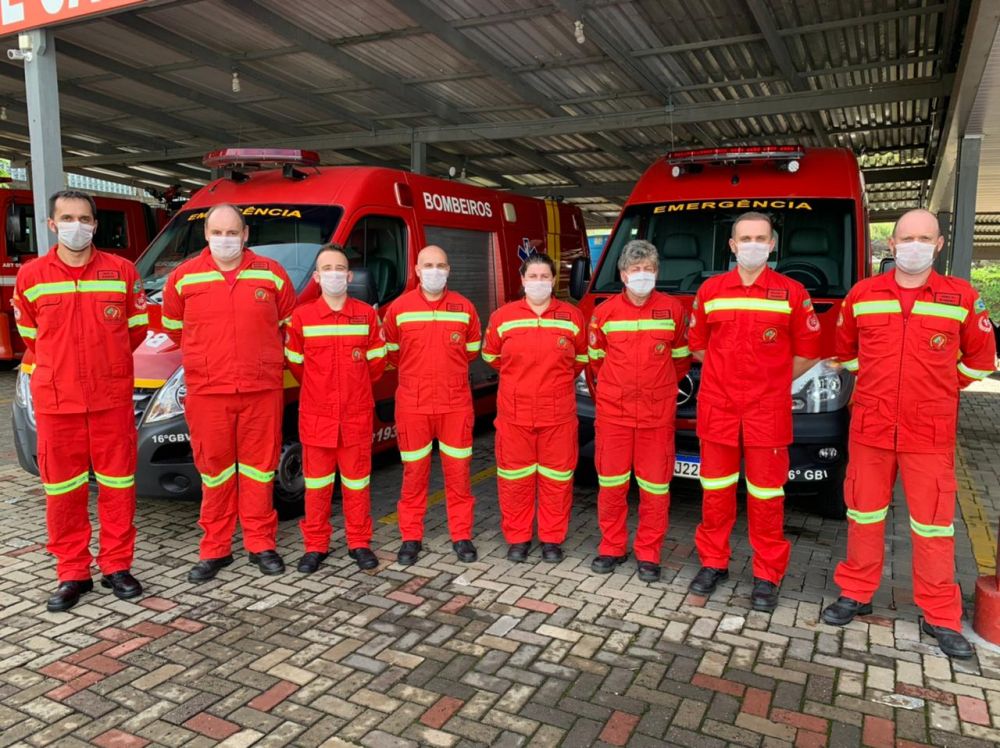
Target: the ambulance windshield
(290, 234)
(815, 242)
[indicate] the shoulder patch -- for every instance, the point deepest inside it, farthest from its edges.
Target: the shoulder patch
(455, 307)
(953, 299)
(137, 287)
(108, 275)
(694, 304)
(777, 294)
(661, 314)
(806, 302)
(980, 305)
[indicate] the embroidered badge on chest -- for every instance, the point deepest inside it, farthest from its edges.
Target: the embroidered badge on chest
(455, 337)
(938, 341)
(112, 313)
(356, 354)
(260, 294)
(563, 342)
(660, 347)
(769, 335)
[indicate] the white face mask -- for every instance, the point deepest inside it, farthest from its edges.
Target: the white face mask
(333, 282)
(752, 255)
(914, 257)
(640, 283)
(433, 280)
(74, 235)
(225, 248)
(538, 291)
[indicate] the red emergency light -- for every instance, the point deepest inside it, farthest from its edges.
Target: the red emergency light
(228, 158)
(690, 160)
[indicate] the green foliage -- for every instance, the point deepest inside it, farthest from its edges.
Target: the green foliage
(880, 232)
(986, 279)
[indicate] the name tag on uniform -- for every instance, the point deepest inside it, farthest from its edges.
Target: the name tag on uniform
(258, 266)
(107, 275)
(561, 315)
(953, 299)
(454, 307)
(358, 320)
(661, 314)
(777, 294)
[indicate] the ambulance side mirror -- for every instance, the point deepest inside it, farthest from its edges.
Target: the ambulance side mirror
(887, 264)
(362, 286)
(579, 277)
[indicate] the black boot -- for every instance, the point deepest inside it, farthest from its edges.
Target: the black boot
(552, 553)
(409, 552)
(518, 552)
(649, 572)
(707, 579)
(310, 561)
(68, 594)
(764, 596)
(269, 562)
(363, 557)
(465, 551)
(123, 584)
(607, 564)
(843, 611)
(207, 568)
(952, 642)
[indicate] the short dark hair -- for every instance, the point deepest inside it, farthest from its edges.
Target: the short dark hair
(538, 259)
(71, 195)
(230, 206)
(331, 247)
(752, 215)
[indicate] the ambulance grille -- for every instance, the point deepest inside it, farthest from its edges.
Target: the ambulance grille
(140, 401)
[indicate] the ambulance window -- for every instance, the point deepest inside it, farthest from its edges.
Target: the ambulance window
(20, 231)
(111, 230)
(379, 244)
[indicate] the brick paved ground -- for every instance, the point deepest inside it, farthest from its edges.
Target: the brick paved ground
(483, 654)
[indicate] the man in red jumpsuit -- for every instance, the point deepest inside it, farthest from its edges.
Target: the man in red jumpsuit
(226, 307)
(915, 339)
(82, 312)
(431, 334)
(334, 348)
(638, 352)
(755, 331)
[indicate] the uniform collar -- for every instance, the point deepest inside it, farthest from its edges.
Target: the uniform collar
(523, 305)
(248, 257)
(54, 259)
(323, 309)
(887, 282)
(633, 305)
(428, 302)
(733, 279)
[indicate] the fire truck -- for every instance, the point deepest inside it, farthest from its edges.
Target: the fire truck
(685, 204)
(383, 217)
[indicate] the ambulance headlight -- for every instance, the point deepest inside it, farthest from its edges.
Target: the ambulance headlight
(581, 385)
(22, 395)
(826, 387)
(168, 402)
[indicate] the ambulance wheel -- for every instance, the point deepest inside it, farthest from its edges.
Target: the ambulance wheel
(830, 500)
(289, 482)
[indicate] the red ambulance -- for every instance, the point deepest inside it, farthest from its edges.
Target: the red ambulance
(383, 217)
(685, 204)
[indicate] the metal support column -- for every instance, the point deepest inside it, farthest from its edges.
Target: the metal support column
(943, 260)
(418, 157)
(965, 205)
(42, 93)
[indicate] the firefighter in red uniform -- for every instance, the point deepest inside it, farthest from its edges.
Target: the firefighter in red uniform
(754, 330)
(539, 346)
(335, 350)
(82, 312)
(431, 334)
(915, 339)
(226, 307)
(638, 352)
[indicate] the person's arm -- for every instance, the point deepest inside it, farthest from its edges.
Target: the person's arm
(172, 316)
(597, 345)
(376, 353)
(295, 357)
(977, 345)
(286, 296)
(473, 335)
(391, 334)
(24, 312)
(492, 343)
(582, 356)
(846, 345)
(680, 351)
(135, 307)
(806, 333)
(697, 328)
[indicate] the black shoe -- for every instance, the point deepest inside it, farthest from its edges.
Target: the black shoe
(207, 568)
(649, 572)
(707, 579)
(68, 594)
(408, 553)
(364, 557)
(310, 561)
(843, 611)
(518, 552)
(552, 553)
(123, 584)
(269, 562)
(606, 564)
(764, 596)
(952, 642)
(465, 551)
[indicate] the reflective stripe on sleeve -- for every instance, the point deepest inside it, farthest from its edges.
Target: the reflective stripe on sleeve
(517, 473)
(58, 489)
(657, 489)
(374, 353)
(355, 484)
(759, 492)
(868, 518)
(111, 481)
(489, 357)
(559, 475)
(612, 481)
(962, 369)
(392, 347)
(595, 353)
(716, 484)
(415, 454)
(851, 365)
(268, 275)
(637, 325)
(945, 311)
(27, 332)
(474, 346)
(582, 358)
(169, 323)
(458, 453)
(295, 358)
(680, 352)
(214, 481)
(254, 474)
(932, 531)
(876, 307)
(746, 304)
(138, 319)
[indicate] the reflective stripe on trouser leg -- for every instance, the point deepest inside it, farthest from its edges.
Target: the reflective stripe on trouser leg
(113, 454)
(213, 442)
(516, 453)
(454, 434)
(319, 465)
(767, 471)
(355, 463)
(558, 449)
(720, 471)
(258, 447)
(613, 459)
(654, 466)
(415, 436)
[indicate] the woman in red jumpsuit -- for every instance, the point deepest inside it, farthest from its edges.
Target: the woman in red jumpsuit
(539, 346)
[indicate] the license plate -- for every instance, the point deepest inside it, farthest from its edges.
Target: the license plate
(687, 467)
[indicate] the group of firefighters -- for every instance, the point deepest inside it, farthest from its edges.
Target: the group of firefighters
(913, 337)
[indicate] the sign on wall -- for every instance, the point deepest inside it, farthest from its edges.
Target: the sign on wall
(22, 15)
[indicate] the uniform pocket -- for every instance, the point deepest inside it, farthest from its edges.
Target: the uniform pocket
(944, 510)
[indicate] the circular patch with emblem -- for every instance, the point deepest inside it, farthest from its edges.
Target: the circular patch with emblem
(17, 311)
(455, 337)
(562, 341)
(661, 347)
(356, 354)
(812, 322)
(769, 335)
(840, 320)
(260, 294)
(140, 302)
(691, 321)
(984, 324)
(112, 312)
(593, 338)
(938, 341)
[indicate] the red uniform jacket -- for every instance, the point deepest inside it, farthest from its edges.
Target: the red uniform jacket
(229, 335)
(432, 343)
(638, 354)
(911, 368)
(335, 356)
(538, 358)
(82, 332)
(750, 335)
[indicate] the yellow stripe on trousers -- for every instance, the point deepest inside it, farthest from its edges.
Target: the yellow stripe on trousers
(438, 496)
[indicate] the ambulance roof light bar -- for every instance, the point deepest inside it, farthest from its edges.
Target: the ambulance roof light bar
(682, 162)
(236, 160)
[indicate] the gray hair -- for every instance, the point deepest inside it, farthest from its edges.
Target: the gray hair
(638, 250)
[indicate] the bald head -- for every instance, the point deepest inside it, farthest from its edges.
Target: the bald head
(917, 225)
(432, 256)
(225, 220)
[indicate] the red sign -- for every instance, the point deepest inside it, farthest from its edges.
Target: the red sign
(22, 15)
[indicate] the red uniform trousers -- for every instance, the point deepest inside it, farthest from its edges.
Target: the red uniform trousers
(650, 451)
(535, 460)
(930, 487)
(236, 440)
(68, 446)
(415, 433)
(320, 465)
(766, 474)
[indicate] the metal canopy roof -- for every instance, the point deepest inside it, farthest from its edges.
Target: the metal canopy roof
(502, 89)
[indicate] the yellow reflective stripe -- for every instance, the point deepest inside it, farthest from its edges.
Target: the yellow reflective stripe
(295, 358)
(658, 489)
(680, 352)
(58, 489)
(214, 481)
(559, 475)
(374, 353)
(435, 316)
(49, 289)
(716, 484)
(851, 365)
(392, 347)
(637, 325)
(581, 358)
(868, 518)
(553, 324)
(88, 286)
(322, 482)
(759, 492)
(192, 278)
(595, 353)
(947, 311)
(415, 454)
(932, 531)
(169, 323)
(877, 307)
(610, 481)
(355, 484)
(254, 474)
(458, 453)
(277, 280)
(962, 368)
(138, 319)
(474, 346)
(516, 473)
(747, 304)
(332, 331)
(27, 332)
(111, 481)
(489, 357)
